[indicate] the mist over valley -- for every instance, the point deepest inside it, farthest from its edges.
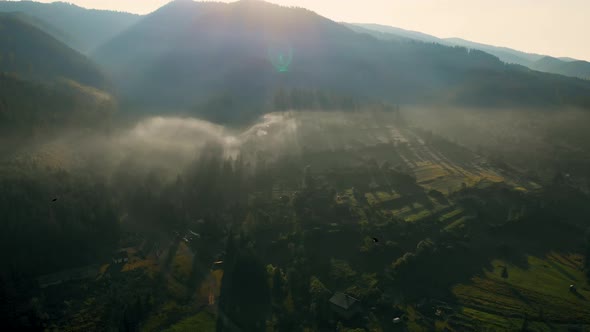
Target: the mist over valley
(247, 166)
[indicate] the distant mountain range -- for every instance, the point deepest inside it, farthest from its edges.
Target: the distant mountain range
(85, 30)
(573, 68)
(562, 66)
(80, 28)
(186, 51)
(187, 54)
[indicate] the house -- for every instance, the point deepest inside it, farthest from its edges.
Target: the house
(121, 257)
(217, 266)
(344, 305)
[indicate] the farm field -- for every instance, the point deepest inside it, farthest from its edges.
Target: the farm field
(507, 295)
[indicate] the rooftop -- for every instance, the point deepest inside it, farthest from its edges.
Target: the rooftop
(343, 301)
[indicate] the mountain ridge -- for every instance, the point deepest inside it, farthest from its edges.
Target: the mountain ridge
(81, 28)
(559, 66)
(223, 49)
(34, 54)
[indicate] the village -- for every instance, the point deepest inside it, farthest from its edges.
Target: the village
(343, 246)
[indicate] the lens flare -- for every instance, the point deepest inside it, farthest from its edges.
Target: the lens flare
(281, 56)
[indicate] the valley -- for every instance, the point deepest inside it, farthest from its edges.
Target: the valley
(247, 166)
(314, 188)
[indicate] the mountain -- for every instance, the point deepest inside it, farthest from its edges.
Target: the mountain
(33, 54)
(80, 28)
(503, 53)
(574, 68)
(568, 59)
(152, 36)
(388, 32)
(42, 25)
(562, 66)
(186, 52)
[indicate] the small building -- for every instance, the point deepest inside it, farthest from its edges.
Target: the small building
(121, 257)
(345, 306)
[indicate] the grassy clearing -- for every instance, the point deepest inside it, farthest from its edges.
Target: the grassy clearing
(210, 286)
(491, 176)
(451, 215)
(408, 211)
(415, 321)
(440, 325)
(149, 265)
(182, 263)
(447, 184)
(429, 172)
(202, 322)
(347, 197)
(400, 212)
(379, 197)
(491, 320)
(418, 216)
(167, 314)
(540, 291)
(457, 224)
(385, 196)
(371, 199)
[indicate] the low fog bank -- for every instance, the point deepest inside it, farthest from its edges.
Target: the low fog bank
(170, 144)
(540, 142)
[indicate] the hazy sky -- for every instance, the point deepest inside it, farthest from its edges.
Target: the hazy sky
(553, 27)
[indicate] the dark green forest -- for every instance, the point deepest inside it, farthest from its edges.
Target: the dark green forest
(284, 252)
(32, 109)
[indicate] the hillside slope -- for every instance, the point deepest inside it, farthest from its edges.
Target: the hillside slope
(80, 28)
(28, 109)
(34, 54)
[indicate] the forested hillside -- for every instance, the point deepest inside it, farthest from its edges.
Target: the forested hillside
(562, 66)
(575, 68)
(33, 54)
(80, 28)
(34, 109)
